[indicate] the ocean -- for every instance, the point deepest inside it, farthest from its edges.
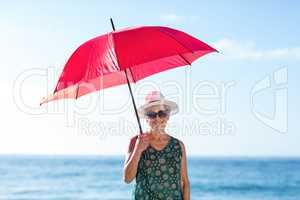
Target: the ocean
(100, 177)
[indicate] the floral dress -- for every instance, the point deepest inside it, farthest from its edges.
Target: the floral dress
(159, 173)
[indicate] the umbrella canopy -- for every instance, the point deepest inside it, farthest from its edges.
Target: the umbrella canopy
(125, 56)
(140, 52)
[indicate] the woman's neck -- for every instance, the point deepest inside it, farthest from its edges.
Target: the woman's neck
(157, 134)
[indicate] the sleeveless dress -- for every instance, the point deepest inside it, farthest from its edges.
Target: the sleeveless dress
(159, 173)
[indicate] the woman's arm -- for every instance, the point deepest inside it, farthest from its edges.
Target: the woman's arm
(137, 145)
(185, 183)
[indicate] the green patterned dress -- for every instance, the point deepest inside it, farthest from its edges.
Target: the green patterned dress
(159, 173)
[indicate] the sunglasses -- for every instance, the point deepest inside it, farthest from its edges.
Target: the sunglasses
(161, 114)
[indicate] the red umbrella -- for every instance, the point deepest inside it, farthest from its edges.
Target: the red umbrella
(125, 56)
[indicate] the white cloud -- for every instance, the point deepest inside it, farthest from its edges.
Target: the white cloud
(232, 49)
(172, 18)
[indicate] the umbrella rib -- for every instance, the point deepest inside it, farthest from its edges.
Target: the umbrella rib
(170, 36)
(132, 75)
(113, 48)
(185, 59)
(77, 89)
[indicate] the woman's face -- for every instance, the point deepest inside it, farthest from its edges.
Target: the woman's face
(157, 123)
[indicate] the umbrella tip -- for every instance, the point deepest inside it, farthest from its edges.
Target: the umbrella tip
(216, 50)
(43, 101)
(112, 24)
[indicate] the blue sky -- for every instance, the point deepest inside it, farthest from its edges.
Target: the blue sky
(256, 40)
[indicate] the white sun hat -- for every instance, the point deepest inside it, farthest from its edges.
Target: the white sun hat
(154, 98)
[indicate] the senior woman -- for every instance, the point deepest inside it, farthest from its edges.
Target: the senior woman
(155, 159)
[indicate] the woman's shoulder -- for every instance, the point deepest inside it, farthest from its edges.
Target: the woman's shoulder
(132, 142)
(134, 137)
(178, 141)
(175, 138)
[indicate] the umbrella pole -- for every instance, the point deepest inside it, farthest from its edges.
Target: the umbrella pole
(136, 113)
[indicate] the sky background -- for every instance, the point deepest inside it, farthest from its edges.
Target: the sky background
(251, 87)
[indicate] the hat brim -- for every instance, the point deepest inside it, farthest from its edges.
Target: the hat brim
(172, 105)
